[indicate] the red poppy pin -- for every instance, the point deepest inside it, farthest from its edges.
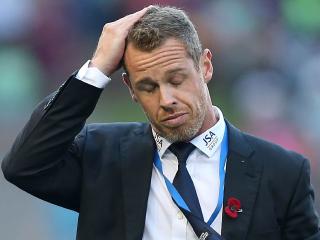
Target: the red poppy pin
(233, 207)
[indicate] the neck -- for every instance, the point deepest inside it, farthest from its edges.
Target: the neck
(211, 118)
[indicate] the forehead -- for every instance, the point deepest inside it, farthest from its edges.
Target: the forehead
(170, 55)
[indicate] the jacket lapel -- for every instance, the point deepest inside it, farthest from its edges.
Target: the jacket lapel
(242, 182)
(137, 151)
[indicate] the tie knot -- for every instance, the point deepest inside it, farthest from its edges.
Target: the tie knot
(182, 150)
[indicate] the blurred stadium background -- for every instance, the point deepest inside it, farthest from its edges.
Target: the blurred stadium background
(266, 79)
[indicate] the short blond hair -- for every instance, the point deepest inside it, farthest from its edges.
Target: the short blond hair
(161, 23)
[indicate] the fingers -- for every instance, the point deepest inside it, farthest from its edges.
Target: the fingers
(111, 45)
(140, 13)
(132, 18)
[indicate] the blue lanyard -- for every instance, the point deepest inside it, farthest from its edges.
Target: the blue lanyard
(177, 197)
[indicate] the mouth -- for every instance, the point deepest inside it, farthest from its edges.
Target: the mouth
(174, 120)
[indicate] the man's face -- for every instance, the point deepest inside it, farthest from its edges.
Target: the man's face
(171, 91)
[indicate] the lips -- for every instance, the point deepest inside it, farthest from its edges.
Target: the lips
(174, 120)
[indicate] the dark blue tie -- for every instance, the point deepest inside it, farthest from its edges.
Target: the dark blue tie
(184, 185)
(182, 181)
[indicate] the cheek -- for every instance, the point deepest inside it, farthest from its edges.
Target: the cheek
(191, 96)
(196, 101)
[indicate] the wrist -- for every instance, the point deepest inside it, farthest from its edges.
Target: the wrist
(102, 68)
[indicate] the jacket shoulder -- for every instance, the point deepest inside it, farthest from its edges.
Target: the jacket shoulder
(274, 153)
(282, 168)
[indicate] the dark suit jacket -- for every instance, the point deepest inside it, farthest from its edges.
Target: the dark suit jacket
(103, 171)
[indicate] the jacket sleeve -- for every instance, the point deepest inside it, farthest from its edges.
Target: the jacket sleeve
(45, 159)
(301, 218)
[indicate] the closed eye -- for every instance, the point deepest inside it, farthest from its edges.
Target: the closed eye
(177, 79)
(146, 85)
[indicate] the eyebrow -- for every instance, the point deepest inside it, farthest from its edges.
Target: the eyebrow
(145, 81)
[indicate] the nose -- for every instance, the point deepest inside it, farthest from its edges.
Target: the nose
(167, 98)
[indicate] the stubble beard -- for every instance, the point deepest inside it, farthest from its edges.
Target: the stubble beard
(187, 131)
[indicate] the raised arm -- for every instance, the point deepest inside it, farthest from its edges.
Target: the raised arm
(45, 159)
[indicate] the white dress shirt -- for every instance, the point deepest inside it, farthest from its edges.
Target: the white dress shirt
(164, 220)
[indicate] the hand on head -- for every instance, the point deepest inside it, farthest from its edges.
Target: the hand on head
(111, 45)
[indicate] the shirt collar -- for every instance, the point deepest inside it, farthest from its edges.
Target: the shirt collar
(161, 142)
(207, 142)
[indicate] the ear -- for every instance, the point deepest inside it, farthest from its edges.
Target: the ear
(206, 65)
(127, 82)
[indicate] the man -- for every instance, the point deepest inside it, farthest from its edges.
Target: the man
(131, 180)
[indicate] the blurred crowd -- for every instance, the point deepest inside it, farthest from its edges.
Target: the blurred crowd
(266, 57)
